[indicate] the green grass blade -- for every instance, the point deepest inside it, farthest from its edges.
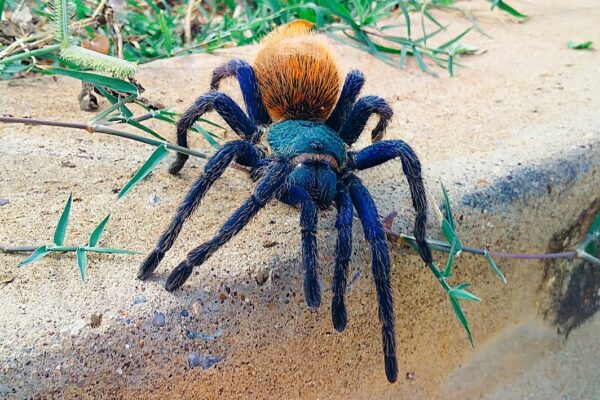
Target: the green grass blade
(448, 269)
(165, 32)
(579, 45)
(145, 129)
(463, 294)
(36, 255)
(448, 208)
(61, 228)
(102, 115)
(158, 154)
(207, 136)
(97, 232)
(112, 99)
(421, 63)
(508, 9)
(594, 227)
(2, 4)
(95, 79)
(460, 315)
(454, 40)
(462, 285)
(451, 235)
(495, 267)
(81, 262)
(109, 250)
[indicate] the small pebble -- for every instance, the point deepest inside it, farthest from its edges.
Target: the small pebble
(4, 202)
(196, 309)
(154, 199)
(77, 327)
(158, 319)
(119, 371)
(139, 299)
(184, 313)
(205, 362)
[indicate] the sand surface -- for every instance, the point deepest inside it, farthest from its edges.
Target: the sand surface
(527, 102)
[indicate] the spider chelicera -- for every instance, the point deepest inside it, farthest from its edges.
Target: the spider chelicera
(292, 94)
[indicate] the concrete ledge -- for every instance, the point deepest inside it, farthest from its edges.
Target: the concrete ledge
(518, 148)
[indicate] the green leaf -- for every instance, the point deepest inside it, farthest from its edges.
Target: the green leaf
(421, 63)
(144, 128)
(113, 100)
(448, 269)
(462, 285)
(594, 227)
(36, 255)
(506, 8)
(61, 228)
(2, 4)
(95, 79)
(494, 267)
(158, 154)
(460, 315)
(95, 236)
(451, 235)
(448, 208)
(463, 294)
(165, 32)
(102, 115)
(81, 262)
(109, 250)
(207, 136)
(579, 45)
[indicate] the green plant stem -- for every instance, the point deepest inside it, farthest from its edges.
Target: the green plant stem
(113, 132)
(29, 54)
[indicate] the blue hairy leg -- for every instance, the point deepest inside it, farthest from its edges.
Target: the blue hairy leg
(360, 113)
(250, 92)
(271, 185)
(226, 107)
(386, 150)
(343, 252)
(350, 91)
(298, 197)
(375, 235)
(239, 151)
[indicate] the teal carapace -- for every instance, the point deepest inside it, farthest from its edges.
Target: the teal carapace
(293, 137)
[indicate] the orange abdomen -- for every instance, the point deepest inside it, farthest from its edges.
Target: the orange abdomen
(297, 75)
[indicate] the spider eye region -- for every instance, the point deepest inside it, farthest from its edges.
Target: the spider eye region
(316, 152)
(292, 138)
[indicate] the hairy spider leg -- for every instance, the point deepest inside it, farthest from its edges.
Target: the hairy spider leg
(350, 91)
(226, 107)
(270, 186)
(247, 79)
(360, 113)
(239, 151)
(387, 150)
(343, 252)
(296, 196)
(375, 235)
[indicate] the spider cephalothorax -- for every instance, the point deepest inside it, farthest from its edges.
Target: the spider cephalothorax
(293, 94)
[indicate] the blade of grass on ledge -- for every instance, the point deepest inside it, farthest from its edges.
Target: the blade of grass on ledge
(166, 33)
(509, 9)
(158, 154)
(61, 227)
(36, 255)
(105, 113)
(95, 79)
(97, 232)
(81, 262)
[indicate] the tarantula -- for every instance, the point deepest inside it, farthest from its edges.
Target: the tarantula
(292, 93)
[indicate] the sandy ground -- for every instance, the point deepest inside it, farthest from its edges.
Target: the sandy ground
(527, 104)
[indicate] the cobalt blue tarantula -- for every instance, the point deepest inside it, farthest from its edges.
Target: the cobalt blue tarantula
(292, 93)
